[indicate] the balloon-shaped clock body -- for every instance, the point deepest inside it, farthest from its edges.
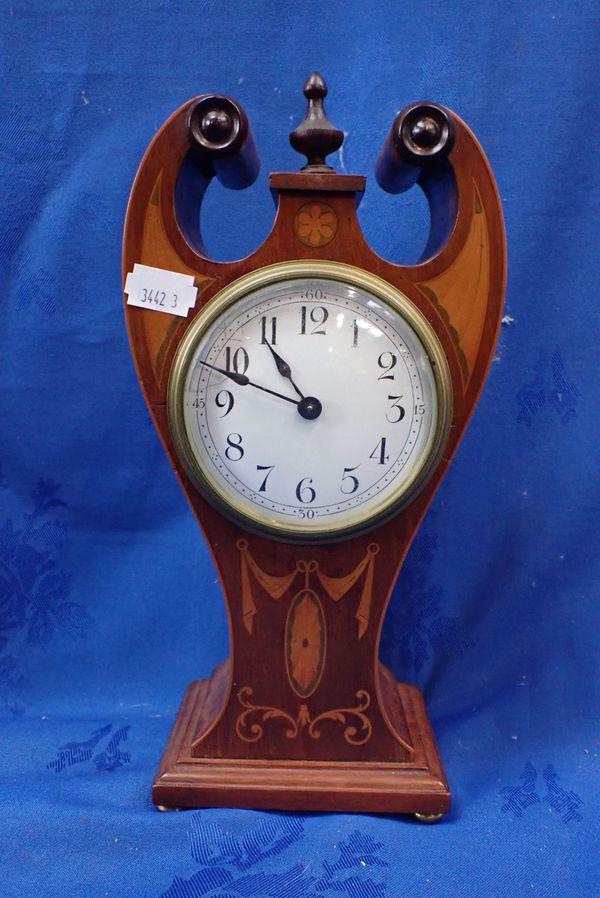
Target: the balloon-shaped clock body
(310, 398)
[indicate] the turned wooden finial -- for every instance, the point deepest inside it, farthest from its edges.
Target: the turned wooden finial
(316, 137)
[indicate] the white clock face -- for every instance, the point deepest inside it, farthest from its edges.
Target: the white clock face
(308, 407)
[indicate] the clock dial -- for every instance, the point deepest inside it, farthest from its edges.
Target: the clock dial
(310, 406)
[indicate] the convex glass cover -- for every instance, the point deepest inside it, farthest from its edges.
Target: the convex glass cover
(309, 400)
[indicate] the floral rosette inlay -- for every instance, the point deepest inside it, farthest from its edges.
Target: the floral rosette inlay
(315, 224)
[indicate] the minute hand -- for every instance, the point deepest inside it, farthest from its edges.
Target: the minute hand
(243, 381)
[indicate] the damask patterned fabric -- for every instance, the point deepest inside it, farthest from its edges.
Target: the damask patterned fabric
(109, 604)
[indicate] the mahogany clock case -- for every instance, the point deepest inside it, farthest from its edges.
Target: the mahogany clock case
(256, 733)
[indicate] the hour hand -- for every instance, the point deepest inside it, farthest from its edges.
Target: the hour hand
(283, 368)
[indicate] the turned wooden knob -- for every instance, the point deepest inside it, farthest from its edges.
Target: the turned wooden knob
(421, 136)
(316, 137)
(423, 132)
(221, 138)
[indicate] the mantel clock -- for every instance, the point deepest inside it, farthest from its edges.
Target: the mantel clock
(310, 398)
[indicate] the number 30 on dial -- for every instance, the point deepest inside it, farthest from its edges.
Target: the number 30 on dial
(309, 400)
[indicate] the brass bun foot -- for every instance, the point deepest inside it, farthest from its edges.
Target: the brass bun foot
(165, 809)
(428, 818)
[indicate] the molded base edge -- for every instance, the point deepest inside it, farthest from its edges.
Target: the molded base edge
(394, 788)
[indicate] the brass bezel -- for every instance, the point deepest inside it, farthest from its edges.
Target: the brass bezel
(286, 271)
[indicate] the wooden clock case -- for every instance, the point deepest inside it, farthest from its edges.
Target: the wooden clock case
(303, 715)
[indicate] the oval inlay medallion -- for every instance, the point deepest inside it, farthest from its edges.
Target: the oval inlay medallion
(305, 642)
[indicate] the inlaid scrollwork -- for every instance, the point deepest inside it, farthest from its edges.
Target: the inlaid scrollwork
(355, 733)
(266, 712)
(341, 715)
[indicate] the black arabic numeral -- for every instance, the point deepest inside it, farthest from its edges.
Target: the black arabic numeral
(348, 479)
(198, 403)
(234, 449)
(355, 333)
(304, 492)
(387, 361)
(419, 409)
(379, 452)
(395, 412)
(224, 399)
(263, 330)
(318, 316)
(238, 361)
(268, 468)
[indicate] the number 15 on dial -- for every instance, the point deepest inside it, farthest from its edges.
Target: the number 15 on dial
(310, 400)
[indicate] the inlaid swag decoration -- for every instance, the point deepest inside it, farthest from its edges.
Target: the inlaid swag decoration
(335, 587)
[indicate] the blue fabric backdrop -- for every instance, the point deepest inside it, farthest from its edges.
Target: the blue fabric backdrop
(102, 569)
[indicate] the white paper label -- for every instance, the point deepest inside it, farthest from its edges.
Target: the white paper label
(160, 290)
